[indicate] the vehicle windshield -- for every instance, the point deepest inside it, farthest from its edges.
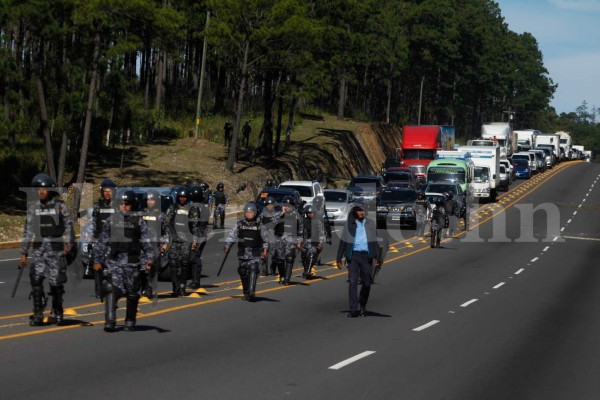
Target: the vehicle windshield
(481, 174)
(305, 191)
(396, 176)
(363, 182)
(440, 188)
(481, 143)
(454, 174)
(419, 169)
(336, 197)
(412, 154)
(405, 196)
(520, 162)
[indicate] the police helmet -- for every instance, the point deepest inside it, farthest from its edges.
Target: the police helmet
(421, 195)
(128, 197)
(449, 195)
(251, 207)
(440, 202)
(43, 180)
(182, 192)
(270, 183)
(270, 200)
(152, 195)
(446, 195)
(289, 200)
(220, 186)
(107, 183)
(204, 186)
(196, 194)
(309, 209)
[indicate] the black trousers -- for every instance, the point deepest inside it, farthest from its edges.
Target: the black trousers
(360, 265)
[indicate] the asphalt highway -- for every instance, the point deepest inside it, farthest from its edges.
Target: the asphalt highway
(508, 310)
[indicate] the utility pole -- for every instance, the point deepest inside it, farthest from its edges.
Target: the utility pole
(201, 82)
(420, 100)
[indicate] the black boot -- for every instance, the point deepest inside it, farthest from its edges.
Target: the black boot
(252, 277)
(110, 312)
(281, 270)
(288, 272)
(130, 314)
(39, 303)
(175, 283)
(57, 303)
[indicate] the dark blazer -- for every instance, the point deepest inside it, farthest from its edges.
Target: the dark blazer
(347, 240)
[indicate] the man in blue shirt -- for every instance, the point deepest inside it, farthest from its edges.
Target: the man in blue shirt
(359, 246)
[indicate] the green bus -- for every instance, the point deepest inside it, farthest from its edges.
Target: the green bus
(453, 169)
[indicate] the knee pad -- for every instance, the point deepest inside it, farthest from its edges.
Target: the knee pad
(107, 287)
(57, 290)
(36, 280)
(253, 266)
(136, 278)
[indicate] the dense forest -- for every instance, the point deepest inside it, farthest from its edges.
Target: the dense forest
(77, 75)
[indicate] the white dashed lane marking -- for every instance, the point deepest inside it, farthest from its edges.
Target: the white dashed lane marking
(350, 360)
(498, 286)
(427, 325)
(519, 271)
(468, 303)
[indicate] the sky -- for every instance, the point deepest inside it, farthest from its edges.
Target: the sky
(568, 34)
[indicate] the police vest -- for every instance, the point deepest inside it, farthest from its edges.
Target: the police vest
(50, 221)
(421, 206)
(153, 221)
(125, 236)
(288, 224)
(103, 212)
(179, 223)
(249, 235)
(220, 198)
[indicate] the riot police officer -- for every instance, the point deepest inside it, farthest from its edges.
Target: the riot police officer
(219, 201)
(125, 251)
(269, 217)
(438, 221)
(269, 184)
(182, 222)
(423, 209)
(197, 197)
(102, 210)
(289, 232)
(314, 236)
(206, 193)
(252, 247)
(320, 212)
(159, 238)
(47, 223)
(452, 212)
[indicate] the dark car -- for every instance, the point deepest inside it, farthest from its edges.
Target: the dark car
(442, 187)
(522, 169)
(366, 188)
(396, 207)
(278, 195)
(400, 179)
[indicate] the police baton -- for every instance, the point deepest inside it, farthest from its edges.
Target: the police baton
(154, 282)
(223, 262)
(16, 286)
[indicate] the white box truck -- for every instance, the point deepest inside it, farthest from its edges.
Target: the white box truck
(502, 134)
(550, 139)
(484, 157)
(566, 143)
(526, 139)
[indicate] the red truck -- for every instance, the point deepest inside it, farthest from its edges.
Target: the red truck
(420, 143)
